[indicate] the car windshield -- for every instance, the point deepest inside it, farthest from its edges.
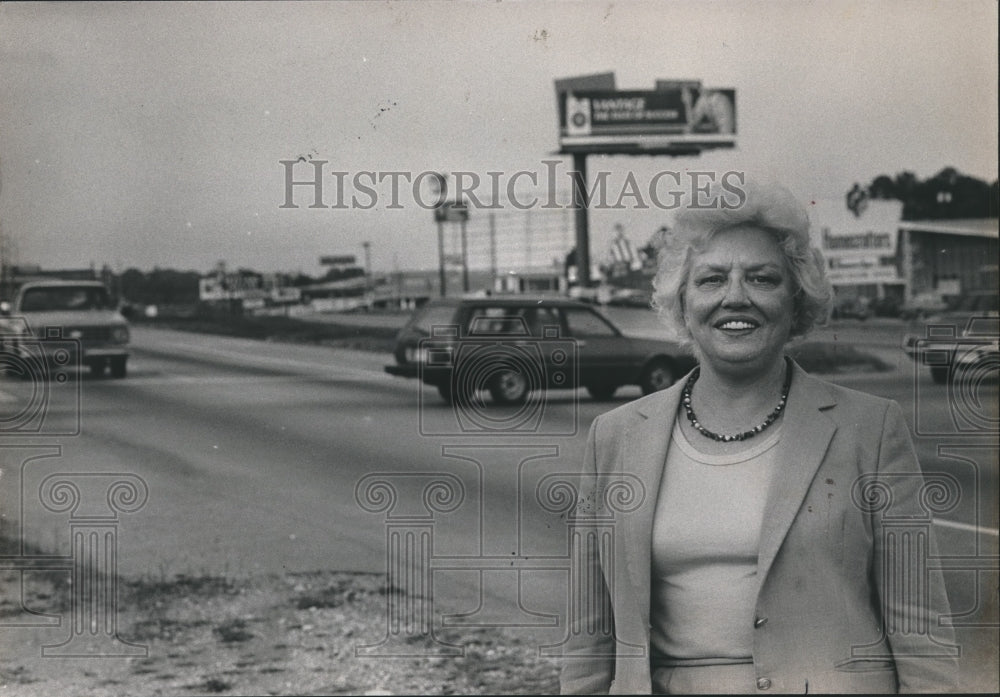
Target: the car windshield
(62, 298)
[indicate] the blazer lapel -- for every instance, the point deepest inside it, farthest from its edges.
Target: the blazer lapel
(646, 442)
(806, 435)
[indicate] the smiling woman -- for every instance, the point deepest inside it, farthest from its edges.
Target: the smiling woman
(751, 562)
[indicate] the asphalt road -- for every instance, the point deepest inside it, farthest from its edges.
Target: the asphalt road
(257, 458)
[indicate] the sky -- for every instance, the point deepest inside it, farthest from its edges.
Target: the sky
(151, 135)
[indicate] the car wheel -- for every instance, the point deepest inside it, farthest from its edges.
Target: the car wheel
(939, 373)
(509, 387)
(450, 395)
(656, 376)
(602, 393)
(119, 367)
(445, 391)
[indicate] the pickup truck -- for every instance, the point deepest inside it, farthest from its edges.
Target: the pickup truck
(47, 318)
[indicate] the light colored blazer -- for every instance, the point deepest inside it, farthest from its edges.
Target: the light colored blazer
(847, 601)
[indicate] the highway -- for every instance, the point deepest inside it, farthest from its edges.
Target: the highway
(253, 454)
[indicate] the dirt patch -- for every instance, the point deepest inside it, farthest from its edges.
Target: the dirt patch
(272, 635)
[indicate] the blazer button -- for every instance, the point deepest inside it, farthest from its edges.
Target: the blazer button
(763, 684)
(759, 622)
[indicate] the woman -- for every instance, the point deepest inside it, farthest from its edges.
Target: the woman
(755, 553)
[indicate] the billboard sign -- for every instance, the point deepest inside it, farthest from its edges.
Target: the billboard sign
(342, 260)
(677, 113)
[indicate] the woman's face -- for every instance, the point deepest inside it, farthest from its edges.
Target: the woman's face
(738, 301)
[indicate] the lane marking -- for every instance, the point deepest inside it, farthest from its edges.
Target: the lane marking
(258, 360)
(139, 379)
(966, 527)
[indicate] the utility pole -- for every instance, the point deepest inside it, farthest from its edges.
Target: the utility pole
(527, 239)
(368, 271)
(493, 251)
(441, 274)
(465, 254)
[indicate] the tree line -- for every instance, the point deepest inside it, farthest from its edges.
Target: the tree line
(948, 195)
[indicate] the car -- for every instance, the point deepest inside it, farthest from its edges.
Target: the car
(922, 305)
(850, 308)
(513, 345)
(961, 340)
(67, 322)
(631, 297)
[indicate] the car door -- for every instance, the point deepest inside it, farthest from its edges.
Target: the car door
(602, 352)
(556, 351)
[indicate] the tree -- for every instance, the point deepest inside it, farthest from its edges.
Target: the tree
(948, 195)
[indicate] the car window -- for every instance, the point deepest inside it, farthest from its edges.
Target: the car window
(545, 322)
(582, 322)
(64, 298)
(506, 321)
(433, 316)
(988, 303)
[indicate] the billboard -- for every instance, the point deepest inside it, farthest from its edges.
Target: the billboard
(676, 116)
(341, 260)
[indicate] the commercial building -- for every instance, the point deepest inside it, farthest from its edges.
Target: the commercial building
(874, 255)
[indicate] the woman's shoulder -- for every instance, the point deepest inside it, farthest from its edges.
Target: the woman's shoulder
(848, 399)
(663, 402)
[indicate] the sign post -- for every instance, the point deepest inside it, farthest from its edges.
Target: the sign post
(581, 218)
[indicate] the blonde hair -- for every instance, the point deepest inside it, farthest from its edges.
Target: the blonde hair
(768, 207)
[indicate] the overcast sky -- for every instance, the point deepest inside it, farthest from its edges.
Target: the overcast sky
(142, 135)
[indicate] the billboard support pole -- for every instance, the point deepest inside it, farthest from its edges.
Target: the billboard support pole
(580, 204)
(441, 275)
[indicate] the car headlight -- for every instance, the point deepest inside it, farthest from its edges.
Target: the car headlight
(119, 335)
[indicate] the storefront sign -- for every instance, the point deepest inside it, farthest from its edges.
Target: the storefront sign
(862, 275)
(844, 236)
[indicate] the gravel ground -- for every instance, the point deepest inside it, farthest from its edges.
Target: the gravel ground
(275, 635)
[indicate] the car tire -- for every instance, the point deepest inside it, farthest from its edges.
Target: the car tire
(509, 387)
(602, 393)
(939, 373)
(119, 367)
(657, 375)
(445, 391)
(449, 394)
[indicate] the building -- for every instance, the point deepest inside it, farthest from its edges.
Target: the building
(949, 257)
(874, 255)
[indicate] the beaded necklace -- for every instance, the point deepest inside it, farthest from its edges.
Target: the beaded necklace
(771, 418)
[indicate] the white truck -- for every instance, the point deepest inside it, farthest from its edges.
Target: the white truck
(69, 322)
